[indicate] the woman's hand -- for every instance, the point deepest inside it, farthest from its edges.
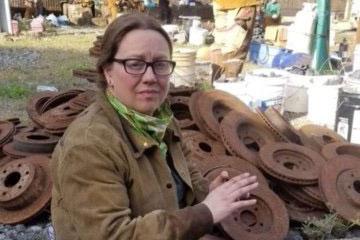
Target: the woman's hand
(229, 196)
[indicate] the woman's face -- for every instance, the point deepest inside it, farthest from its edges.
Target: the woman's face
(143, 93)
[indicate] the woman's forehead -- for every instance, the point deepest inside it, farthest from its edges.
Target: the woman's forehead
(144, 42)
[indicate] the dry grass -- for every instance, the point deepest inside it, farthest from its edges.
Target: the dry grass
(59, 55)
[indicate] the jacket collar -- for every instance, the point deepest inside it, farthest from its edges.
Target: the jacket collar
(138, 142)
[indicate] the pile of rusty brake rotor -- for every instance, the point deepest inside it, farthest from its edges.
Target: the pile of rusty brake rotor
(303, 173)
(25, 183)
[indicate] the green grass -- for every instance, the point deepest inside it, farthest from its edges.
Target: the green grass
(330, 224)
(13, 91)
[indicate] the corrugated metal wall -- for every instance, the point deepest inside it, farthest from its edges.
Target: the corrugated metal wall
(291, 7)
(50, 5)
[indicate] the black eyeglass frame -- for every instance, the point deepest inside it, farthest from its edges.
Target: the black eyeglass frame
(151, 64)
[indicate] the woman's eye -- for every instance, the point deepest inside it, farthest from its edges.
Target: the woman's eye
(135, 64)
(161, 65)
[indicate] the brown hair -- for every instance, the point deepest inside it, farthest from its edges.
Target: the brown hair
(116, 32)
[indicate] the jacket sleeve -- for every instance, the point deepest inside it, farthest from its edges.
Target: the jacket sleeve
(199, 183)
(94, 191)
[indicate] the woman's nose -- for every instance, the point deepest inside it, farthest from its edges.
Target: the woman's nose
(149, 75)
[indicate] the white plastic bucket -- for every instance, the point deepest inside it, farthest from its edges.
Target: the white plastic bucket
(197, 36)
(184, 73)
(323, 104)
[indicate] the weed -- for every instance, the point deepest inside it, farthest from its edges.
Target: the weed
(205, 86)
(13, 91)
(329, 225)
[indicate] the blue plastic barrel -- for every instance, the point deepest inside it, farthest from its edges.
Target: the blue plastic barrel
(269, 56)
(254, 51)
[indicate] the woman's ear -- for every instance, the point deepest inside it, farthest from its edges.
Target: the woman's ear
(108, 76)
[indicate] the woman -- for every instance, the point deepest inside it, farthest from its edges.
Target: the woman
(119, 171)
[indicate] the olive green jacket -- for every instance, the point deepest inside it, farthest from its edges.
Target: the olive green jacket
(111, 183)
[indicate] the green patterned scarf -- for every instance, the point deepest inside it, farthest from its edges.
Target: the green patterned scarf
(150, 126)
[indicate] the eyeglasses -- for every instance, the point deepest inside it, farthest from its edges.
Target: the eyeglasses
(138, 67)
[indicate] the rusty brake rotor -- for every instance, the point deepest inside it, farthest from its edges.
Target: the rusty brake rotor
(234, 166)
(213, 105)
(91, 75)
(243, 136)
(59, 99)
(291, 163)
(201, 149)
(319, 136)
(25, 189)
(340, 184)
(194, 110)
(298, 211)
(267, 219)
(298, 193)
(180, 107)
(35, 104)
(58, 119)
(337, 149)
(30, 143)
(277, 123)
(181, 91)
(7, 129)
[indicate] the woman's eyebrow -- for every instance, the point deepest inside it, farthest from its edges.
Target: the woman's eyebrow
(143, 56)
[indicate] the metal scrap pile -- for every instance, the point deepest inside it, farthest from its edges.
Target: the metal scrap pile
(302, 173)
(25, 183)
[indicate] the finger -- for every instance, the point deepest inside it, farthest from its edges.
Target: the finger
(245, 196)
(225, 175)
(241, 192)
(220, 179)
(243, 203)
(236, 179)
(241, 183)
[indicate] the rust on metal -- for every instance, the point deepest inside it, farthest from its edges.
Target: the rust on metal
(298, 193)
(243, 136)
(291, 163)
(29, 143)
(213, 105)
(201, 149)
(267, 219)
(319, 136)
(180, 108)
(314, 192)
(59, 99)
(278, 124)
(35, 104)
(298, 211)
(7, 129)
(334, 150)
(183, 91)
(54, 112)
(194, 110)
(340, 183)
(91, 75)
(25, 189)
(234, 166)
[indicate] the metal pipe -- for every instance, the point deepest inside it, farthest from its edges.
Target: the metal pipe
(321, 43)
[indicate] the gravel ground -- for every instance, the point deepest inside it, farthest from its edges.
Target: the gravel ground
(17, 58)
